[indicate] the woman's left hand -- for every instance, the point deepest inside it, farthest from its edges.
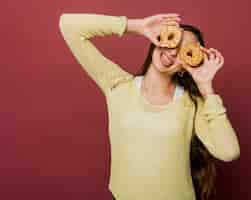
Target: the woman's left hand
(204, 74)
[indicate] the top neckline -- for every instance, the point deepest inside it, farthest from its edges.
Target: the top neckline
(178, 97)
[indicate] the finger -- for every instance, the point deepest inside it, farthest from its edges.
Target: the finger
(221, 60)
(217, 55)
(170, 22)
(205, 50)
(212, 55)
(162, 45)
(206, 57)
(160, 17)
(213, 50)
(158, 43)
(154, 40)
(184, 65)
(187, 68)
(168, 15)
(174, 23)
(163, 19)
(217, 59)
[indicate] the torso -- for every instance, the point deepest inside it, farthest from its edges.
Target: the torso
(150, 145)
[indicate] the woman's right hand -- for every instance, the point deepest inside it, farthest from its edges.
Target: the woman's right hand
(151, 26)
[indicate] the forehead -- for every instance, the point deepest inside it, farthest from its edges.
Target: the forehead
(188, 37)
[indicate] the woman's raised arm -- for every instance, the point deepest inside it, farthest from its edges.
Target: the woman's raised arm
(77, 29)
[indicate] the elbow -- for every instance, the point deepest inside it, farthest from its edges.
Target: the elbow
(66, 28)
(61, 20)
(232, 155)
(236, 154)
(63, 25)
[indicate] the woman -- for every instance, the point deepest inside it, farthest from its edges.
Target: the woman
(158, 118)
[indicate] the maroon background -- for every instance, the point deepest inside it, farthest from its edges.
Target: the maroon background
(53, 123)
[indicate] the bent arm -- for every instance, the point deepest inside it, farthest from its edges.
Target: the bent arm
(214, 129)
(77, 29)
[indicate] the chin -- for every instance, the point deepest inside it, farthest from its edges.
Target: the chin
(171, 69)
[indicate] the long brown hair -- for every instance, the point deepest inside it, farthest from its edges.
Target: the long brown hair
(203, 166)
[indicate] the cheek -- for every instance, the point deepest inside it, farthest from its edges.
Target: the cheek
(156, 55)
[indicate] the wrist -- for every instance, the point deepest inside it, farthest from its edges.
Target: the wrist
(208, 93)
(206, 90)
(134, 26)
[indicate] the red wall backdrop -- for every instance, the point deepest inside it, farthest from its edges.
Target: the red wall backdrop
(53, 118)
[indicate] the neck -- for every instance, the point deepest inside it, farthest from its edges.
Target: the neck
(157, 83)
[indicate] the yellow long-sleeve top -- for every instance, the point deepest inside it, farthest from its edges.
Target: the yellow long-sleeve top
(150, 144)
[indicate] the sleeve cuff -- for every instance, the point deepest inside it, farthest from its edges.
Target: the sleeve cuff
(123, 25)
(213, 106)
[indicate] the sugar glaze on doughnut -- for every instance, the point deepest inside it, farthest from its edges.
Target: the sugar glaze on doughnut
(191, 54)
(171, 35)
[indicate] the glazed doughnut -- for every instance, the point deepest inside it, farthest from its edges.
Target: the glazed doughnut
(171, 35)
(191, 54)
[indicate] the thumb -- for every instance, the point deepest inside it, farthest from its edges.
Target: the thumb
(152, 38)
(156, 42)
(187, 67)
(184, 65)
